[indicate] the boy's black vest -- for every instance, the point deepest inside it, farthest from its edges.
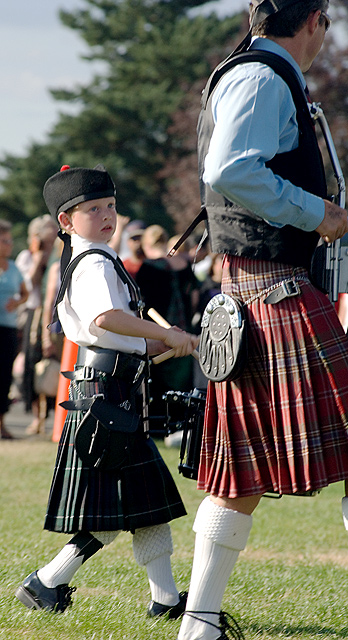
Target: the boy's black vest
(237, 231)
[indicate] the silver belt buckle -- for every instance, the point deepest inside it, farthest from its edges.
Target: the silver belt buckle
(87, 372)
(286, 289)
(291, 288)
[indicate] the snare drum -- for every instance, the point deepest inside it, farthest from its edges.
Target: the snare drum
(189, 413)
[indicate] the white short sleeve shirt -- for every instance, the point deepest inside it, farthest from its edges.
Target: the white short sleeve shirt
(95, 288)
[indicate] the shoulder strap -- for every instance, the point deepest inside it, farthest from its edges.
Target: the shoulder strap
(119, 267)
(279, 65)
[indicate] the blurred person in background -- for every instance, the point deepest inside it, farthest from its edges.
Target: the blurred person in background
(118, 242)
(52, 337)
(13, 293)
(32, 263)
(134, 235)
(169, 286)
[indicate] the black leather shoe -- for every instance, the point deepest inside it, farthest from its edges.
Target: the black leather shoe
(34, 595)
(155, 609)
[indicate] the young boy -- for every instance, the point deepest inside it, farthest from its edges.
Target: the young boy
(91, 501)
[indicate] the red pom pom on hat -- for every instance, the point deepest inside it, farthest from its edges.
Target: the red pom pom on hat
(65, 167)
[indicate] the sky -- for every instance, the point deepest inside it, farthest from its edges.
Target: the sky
(39, 53)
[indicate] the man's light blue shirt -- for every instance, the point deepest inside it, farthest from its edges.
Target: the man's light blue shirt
(255, 119)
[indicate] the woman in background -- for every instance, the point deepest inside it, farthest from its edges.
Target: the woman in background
(32, 263)
(13, 293)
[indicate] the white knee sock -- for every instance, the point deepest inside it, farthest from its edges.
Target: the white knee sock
(220, 535)
(152, 548)
(162, 586)
(63, 567)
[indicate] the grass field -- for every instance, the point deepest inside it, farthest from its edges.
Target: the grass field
(291, 582)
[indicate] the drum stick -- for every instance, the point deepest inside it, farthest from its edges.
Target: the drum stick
(163, 356)
(162, 322)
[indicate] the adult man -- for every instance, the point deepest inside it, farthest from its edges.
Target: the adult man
(282, 425)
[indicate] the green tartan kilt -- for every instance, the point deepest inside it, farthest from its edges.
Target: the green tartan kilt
(141, 494)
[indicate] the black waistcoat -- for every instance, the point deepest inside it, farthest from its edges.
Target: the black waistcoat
(232, 228)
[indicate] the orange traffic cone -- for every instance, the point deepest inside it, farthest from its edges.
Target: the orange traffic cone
(69, 355)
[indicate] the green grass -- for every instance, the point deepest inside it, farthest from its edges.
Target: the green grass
(291, 582)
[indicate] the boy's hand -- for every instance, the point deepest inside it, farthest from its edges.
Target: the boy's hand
(155, 346)
(183, 343)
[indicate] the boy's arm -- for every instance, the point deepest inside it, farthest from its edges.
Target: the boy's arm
(123, 323)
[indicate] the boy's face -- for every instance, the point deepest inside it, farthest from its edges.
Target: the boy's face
(94, 220)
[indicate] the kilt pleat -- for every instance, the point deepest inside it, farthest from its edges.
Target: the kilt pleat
(283, 425)
(143, 493)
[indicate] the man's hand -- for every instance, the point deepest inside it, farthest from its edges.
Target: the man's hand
(335, 223)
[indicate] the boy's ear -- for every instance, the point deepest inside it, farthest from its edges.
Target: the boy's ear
(65, 221)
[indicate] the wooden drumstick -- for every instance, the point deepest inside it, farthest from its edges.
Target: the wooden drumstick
(162, 322)
(163, 356)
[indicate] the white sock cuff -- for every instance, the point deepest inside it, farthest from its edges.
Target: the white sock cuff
(226, 527)
(150, 543)
(105, 537)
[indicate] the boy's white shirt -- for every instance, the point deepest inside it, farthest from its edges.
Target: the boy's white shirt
(95, 288)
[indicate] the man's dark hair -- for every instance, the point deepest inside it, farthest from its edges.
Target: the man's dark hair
(288, 21)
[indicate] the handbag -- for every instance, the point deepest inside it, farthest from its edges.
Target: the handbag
(46, 377)
(223, 348)
(105, 435)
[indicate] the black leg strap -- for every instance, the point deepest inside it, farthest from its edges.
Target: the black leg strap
(86, 544)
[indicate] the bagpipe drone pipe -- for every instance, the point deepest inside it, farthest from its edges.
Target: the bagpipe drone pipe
(330, 260)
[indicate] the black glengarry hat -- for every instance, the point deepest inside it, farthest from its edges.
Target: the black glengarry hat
(69, 187)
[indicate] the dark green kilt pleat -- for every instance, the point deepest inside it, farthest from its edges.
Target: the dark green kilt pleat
(141, 494)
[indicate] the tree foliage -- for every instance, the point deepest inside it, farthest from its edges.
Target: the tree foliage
(153, 54)
(138, 114)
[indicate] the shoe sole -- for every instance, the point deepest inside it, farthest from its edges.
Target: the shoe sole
(26, 598)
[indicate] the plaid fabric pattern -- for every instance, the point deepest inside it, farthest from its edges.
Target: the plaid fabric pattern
(283, 425)
(141, 494)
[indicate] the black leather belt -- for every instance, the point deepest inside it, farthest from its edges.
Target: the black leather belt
(287, 289)
(91, 360)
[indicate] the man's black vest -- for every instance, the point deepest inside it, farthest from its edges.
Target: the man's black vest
(237, 231)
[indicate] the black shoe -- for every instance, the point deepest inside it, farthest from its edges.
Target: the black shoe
(34, 595)
(155, 609)
(227, 624)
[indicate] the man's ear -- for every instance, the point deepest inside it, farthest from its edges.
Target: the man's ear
(313, 20)
(65, 221)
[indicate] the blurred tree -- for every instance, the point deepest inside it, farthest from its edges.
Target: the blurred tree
(152, 54)
(138, 115)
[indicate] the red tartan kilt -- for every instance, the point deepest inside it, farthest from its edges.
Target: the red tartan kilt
(283, 425)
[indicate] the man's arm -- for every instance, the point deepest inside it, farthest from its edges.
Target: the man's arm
(255, 119)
